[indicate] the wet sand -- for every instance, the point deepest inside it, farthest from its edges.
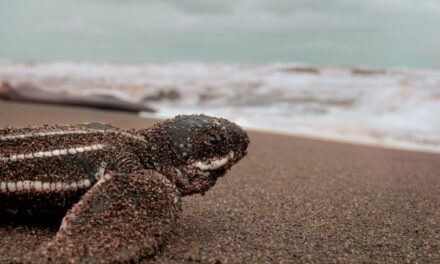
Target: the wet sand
(290, 200)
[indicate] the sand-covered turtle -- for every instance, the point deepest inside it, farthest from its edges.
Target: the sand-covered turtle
(119, 191)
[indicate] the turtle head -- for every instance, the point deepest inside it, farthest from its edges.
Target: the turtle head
(195, 150)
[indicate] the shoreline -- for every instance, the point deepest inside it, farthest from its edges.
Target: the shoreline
(356, 142)
(151, 118)
(327, 138)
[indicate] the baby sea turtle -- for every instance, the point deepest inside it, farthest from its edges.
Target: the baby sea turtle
(119, 191)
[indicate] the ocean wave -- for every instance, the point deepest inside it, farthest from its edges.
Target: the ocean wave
(393, 108)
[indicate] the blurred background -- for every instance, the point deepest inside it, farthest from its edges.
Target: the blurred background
(350, 70)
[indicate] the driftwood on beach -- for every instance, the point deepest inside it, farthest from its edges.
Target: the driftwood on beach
(32, 94)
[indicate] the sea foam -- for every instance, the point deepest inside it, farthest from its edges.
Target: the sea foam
(396, 108)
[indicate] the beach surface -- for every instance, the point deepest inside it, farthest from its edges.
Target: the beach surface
(290, 200)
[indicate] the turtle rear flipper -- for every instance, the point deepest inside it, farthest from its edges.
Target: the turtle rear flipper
(123, 217)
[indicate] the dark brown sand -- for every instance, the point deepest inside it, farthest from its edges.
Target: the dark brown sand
(290, 200)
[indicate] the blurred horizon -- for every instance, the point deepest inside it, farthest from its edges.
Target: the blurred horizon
(394, 33)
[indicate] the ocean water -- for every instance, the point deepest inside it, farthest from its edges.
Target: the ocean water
(397, 108)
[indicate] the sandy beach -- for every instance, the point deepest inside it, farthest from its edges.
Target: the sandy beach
(290, 200)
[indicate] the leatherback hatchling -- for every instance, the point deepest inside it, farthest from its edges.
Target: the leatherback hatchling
(118, 190)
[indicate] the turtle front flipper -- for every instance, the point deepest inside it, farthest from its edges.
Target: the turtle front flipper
(123, 217)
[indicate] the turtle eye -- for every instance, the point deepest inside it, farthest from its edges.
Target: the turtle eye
(213, 140)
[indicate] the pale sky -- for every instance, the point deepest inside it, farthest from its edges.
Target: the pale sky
(338, 32)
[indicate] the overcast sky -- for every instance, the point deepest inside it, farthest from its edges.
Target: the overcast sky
(336, 32)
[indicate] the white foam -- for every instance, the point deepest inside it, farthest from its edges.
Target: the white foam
(392, 108)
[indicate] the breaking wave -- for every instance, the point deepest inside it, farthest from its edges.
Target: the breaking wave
(396, 108)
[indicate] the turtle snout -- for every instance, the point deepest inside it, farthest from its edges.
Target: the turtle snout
(238, 140)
